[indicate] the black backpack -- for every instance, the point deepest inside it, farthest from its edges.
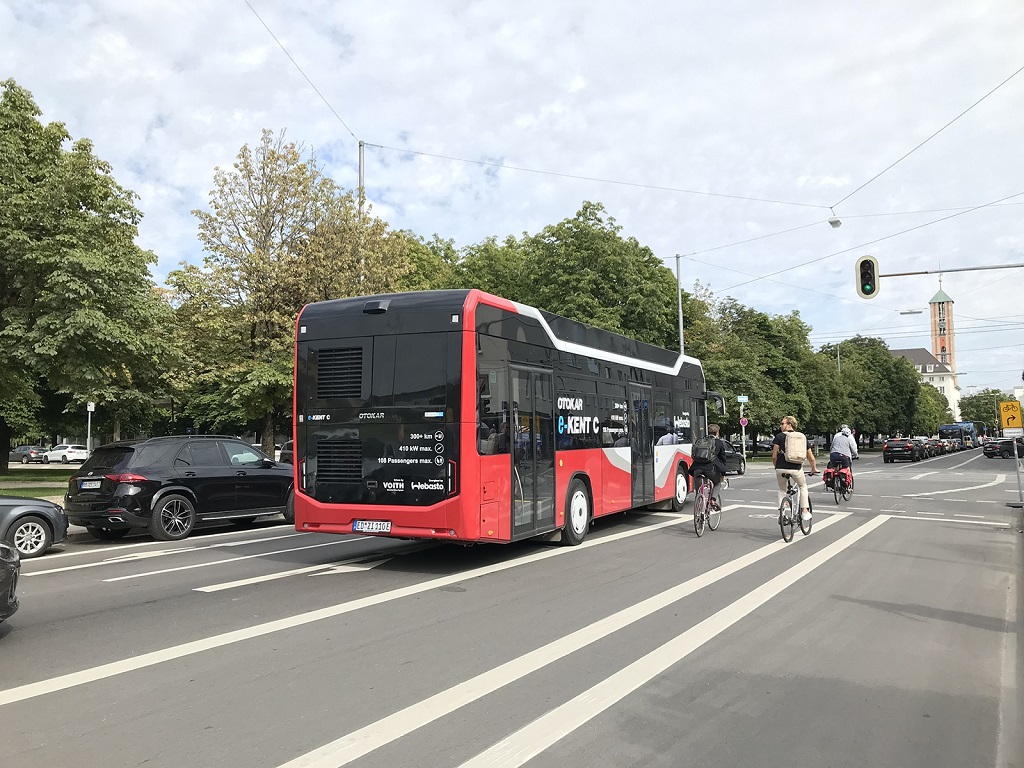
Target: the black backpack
(703, 449)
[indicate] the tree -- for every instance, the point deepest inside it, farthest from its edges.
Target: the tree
(931, 410)
(278, 234)
(79, 314)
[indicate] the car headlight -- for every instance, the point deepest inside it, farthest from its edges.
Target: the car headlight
(8, 553)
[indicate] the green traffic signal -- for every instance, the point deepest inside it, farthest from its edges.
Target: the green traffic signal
(867, 273)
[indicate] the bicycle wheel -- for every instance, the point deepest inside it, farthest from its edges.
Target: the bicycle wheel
(847, 490)
(786, 518)
(714, 516)
(805, 525)
(836, 490)
(700, 504)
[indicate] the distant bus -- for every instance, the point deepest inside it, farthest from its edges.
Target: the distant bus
(461, 416)
(964, 431)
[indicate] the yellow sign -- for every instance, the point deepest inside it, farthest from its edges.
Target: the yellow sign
(1009, 414)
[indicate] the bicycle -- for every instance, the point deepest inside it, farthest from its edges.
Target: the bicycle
(787, 517)
(840, 481)
(704, 511)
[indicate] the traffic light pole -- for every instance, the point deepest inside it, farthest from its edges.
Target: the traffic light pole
(961, 269)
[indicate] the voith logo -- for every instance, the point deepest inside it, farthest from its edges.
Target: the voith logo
(394, 486)
(430, 485)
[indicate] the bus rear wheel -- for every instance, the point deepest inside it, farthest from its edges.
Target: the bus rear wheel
(577, 514)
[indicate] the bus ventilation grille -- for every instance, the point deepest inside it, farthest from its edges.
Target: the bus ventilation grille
(339, 461)
(339, 373)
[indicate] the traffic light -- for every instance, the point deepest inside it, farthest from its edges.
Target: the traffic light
(867, 277)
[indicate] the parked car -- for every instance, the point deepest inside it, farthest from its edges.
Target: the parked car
(26, 454)
(287, 453)
(926, 449)
(734, 459)
(66, 453)
(1003, 448)
(764, 445)
(10, 567)
(30, 525)
(938, 447)
(901, 448)
(167, 485)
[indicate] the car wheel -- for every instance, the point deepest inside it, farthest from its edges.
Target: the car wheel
(24, 459)
(30, 536)
(64, 459)
(173, 519)
(107, 534)
(46, 459)
(742, 470)
(289, 509)
(1004, 455)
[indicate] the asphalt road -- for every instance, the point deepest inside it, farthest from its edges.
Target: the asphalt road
(889, 636)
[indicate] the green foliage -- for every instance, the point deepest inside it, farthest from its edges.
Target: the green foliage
(931, 410)
(78, 307)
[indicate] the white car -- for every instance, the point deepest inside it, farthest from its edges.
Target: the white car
(66, 453)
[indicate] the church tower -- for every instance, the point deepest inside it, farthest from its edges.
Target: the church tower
(944, 340)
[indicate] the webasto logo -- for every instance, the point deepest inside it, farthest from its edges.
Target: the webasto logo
(429, 485)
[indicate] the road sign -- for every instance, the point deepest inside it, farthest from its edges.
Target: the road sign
(742, 399)
(90, 407)
(743, 422)
(1009, 415)
(1013, 432)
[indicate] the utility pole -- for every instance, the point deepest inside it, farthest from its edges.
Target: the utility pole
(679, 299)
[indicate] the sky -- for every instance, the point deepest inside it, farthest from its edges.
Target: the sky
(727, 133)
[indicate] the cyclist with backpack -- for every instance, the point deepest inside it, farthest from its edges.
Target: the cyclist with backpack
(789, 452)
(708, 454)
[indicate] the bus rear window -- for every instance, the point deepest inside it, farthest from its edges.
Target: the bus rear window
(420, 369)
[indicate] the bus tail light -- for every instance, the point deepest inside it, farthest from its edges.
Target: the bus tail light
(451, 477)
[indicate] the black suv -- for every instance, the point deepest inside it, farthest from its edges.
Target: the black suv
(167, 484)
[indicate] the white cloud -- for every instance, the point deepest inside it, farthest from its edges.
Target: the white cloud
(797, 103)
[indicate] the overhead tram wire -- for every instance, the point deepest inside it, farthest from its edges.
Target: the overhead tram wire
(595, 179)
(872, 242)
(908, 154)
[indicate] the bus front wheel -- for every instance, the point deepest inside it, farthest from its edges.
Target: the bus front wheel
(682, 489)
(577, 514)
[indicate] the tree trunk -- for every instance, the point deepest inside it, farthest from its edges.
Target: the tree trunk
(268, 434)
(117, 428)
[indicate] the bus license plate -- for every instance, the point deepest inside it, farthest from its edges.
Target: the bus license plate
(372, 526)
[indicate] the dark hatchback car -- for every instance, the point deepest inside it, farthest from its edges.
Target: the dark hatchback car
(168, 484)
(1003, 448)
(902, 448)
(10, 568)
(31, 526)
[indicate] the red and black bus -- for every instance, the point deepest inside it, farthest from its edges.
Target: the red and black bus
(461, 416)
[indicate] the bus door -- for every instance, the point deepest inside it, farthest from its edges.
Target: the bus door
(641, 441)
(533, 452)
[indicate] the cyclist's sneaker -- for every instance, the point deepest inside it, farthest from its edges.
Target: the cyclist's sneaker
(805, 516)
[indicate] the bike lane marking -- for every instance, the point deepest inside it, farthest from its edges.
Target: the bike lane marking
(361, 742)
(530, 741)
(999, 479)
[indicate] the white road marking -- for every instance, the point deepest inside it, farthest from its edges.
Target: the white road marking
(897, 511)
(964, 463)
(550, 728)
(114, 560)
(980, 517)
(997, 481)
(222, 562)
(923, 474)
(281, 575)
(861, 509)
(361, 742)
(949, 520)
(353, 567)
(939, 514)
(114, 668)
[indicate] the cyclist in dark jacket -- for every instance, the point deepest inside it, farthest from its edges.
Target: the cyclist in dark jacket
(714, 469)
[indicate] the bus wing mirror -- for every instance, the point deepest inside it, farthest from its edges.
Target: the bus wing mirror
(718, 400)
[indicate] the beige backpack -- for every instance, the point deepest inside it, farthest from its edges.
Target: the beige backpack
(796, 447)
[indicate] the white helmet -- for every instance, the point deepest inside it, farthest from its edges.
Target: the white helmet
(845, 430)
